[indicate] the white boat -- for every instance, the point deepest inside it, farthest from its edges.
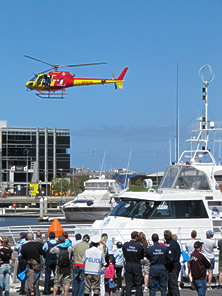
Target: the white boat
(188, 196)
(94, 203)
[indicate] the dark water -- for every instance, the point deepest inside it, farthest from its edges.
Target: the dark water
(10, 221)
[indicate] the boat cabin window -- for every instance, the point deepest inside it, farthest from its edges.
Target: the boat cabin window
(97, 185)
(185, 178)
(160, 210)
(180, 210)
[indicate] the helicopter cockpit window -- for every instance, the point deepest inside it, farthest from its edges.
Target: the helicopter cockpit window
(47, 80)
(39, 80)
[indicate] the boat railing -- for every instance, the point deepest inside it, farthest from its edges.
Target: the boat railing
(13, 232)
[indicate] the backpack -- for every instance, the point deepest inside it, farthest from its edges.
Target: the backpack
(63, 258)
(50, 256)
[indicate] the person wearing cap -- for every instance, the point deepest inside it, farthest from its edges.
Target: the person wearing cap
(94, 259)
(79, 266)
(208, 250)
(119, 259)
(21, 262)
(198, 266)
(50, 261)
(133, 253)
(78, 240)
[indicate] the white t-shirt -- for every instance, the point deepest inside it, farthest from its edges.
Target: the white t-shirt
(208, 247)
(190, 247)
(94, 259)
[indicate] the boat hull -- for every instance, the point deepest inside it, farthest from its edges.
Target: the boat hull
(84, 214)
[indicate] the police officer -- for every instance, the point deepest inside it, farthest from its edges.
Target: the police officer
(133, 253)
(173, 265)
(157, 254)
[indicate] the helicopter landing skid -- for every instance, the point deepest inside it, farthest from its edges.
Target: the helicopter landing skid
(51, 94)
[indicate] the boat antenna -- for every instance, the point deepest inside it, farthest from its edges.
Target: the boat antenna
(104, 156)
(127, 169)
(206, 82)
(170, 152)
(177, 115)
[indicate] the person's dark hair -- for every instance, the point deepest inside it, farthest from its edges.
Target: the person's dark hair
(65, 234)
(22, 235)
(119, 245)
(104, 235)
(167, 235)
(86, 238)
(155, 237)
(134, 234)
(193, 234)
(61, 239)
(78, 236)
(52, 235)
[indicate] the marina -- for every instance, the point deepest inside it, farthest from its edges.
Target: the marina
(188, 197)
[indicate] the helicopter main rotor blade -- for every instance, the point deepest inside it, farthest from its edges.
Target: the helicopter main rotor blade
(39, 61)
(42, 72)
(81, 65)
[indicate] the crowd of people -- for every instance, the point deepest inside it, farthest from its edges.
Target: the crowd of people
(95, 264)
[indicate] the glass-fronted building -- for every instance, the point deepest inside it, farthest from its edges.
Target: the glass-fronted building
(32, 155)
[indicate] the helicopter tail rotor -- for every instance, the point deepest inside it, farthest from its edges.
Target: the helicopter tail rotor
(113, 75)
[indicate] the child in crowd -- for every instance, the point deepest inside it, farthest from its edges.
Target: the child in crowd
(109, 276)
(31, 278)
(118, 255)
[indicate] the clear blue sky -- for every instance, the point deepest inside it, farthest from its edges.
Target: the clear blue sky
(149, 37)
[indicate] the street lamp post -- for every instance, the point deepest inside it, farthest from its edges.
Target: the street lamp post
(27, 163)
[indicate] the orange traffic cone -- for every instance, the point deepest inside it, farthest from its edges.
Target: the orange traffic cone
(56, 227)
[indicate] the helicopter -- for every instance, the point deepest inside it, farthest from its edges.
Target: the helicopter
(52, 85)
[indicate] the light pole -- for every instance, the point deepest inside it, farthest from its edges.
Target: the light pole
(27, 163)
(61, 170)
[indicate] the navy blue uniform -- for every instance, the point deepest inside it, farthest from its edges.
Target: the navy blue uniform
(157, 255)
(133, 253)
(173, 267)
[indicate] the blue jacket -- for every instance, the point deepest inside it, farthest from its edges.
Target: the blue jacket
(118, 255)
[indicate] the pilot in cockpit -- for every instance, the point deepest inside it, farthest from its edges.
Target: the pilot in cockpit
(181, 183)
